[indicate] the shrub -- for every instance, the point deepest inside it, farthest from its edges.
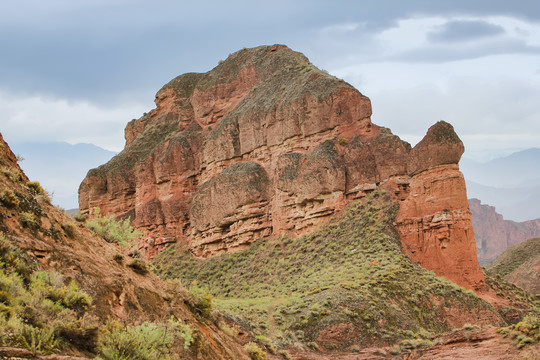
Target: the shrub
(9, 199)
(37, 310)
(113, 231)
(254, 351)
(80, 217)
(139, 266)
(38, 191)
(50, 286)
(28, 220)
(36, 339)
(13, 174)
(146, 341)
(118, 258)
(285, 354)
(202, 300)
(266, 342)
(525, 332)
(12, 260)
(69, 230)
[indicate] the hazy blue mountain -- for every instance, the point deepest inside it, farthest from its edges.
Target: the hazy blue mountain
(60, 167)
(521, 168)
(516, 203)
(510, 183)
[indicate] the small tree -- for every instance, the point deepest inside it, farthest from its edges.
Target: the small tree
(113, 231)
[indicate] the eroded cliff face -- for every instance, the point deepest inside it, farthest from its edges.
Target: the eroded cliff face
(266, 144)
(434, 221)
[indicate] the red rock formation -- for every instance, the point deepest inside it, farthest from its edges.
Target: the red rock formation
(494, 234)
(267, 144)
(434, 221)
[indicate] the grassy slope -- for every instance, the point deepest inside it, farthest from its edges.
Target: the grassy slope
(351, 272)
(514, 257)
(517, 265)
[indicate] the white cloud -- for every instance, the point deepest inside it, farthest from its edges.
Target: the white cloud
(487, 86)
(27, 119)
(491, 105)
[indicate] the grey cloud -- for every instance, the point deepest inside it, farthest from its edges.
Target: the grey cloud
(442, 54)
(465, 30)
(107, 51)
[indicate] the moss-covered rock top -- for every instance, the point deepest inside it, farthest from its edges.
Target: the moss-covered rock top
(519, 265)
(440, 146)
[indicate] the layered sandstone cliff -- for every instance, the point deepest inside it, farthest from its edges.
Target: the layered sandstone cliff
(494, 234)
(266, 144)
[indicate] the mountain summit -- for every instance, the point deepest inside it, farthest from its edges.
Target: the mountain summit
(266, 144)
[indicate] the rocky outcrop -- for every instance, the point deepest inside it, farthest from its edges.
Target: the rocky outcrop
(494, 234)
(267, 144)
(434, 221)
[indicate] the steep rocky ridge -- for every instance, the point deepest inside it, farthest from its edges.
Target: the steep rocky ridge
(55, 242)
(494, 234)
(266, 144)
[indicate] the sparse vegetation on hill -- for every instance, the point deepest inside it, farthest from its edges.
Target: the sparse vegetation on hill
(347, 284)
(112, 230)
(37, 310)
(518, 265)
(40, 312)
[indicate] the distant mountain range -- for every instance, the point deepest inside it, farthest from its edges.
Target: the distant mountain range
(511, 183)
(60, 167)
(494, 235)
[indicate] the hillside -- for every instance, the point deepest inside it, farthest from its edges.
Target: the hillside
(347, 286)
(60, 283)
(520, 265)
(494, 234)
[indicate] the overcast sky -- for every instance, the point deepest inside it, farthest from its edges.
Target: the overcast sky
(78, 71)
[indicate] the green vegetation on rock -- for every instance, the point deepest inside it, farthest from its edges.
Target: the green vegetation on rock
(514, 257)
(112, 230)
(524, 333)
(147, 341)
